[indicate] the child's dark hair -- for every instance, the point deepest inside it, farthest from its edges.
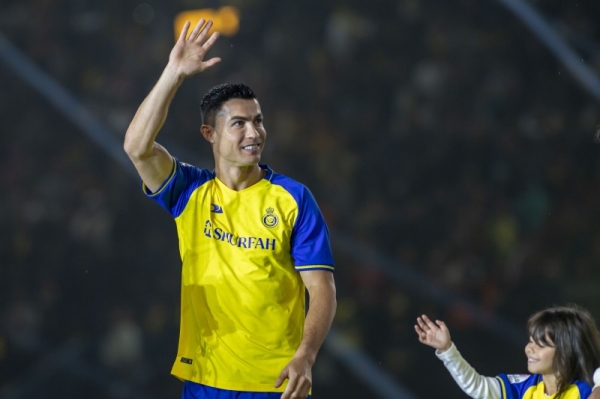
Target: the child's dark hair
(571, 330)
(213, 100)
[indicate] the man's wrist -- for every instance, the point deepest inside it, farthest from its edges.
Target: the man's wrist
(173, 74)
(308, 356)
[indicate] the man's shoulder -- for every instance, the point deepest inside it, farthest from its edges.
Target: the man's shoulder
(186, 165)
(284, 180)
(300, 192)
(287, 182)
(193, 172)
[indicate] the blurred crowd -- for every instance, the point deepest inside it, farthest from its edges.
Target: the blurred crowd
(441, 134)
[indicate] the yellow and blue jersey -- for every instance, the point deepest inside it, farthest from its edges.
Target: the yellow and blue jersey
(532, 387)
(242, 298)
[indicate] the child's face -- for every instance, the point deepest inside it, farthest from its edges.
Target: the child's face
(539, 358)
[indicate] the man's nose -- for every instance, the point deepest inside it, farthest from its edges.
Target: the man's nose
(252, 131)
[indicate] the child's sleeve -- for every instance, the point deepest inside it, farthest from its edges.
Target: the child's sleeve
(472, 383)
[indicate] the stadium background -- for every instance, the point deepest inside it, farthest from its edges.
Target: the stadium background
(451, 153)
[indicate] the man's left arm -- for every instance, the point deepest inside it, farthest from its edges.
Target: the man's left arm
(321, 309)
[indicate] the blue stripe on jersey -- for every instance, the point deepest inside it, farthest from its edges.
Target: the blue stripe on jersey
(181, 183)
(310, 236)
(192, 390)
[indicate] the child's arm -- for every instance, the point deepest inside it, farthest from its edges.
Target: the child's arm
(473, 384)
(596, 390)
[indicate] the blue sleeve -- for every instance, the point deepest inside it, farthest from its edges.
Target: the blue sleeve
(310, 235)
(585, 389)
(175, 191)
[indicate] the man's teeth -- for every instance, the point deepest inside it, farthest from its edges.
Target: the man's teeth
(251, 147)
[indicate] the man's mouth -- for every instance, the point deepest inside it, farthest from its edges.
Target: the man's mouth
(251, 147)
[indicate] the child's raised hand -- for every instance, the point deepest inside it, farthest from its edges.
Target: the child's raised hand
(433, 334)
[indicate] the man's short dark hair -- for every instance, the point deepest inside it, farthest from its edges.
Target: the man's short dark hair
(213, 100)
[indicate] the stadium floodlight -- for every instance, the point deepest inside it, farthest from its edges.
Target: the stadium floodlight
(226, 20)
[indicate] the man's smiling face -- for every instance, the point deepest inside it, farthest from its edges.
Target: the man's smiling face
(239, 134)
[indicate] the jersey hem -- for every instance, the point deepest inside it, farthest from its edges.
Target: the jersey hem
(236, 386)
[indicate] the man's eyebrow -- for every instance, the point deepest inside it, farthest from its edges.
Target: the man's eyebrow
(245, 118)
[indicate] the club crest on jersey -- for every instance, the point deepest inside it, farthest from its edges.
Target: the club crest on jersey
(269, 219)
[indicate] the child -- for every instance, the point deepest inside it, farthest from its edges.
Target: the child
(562, 353)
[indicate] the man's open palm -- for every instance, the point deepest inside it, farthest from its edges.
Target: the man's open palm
(187, 57)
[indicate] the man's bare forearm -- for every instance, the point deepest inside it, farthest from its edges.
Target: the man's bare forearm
(151, 115)
(152, 161)
(322, 307)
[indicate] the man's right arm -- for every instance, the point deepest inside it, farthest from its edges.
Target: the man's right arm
(152, 161)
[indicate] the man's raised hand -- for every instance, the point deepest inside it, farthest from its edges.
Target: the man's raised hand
(187, 57)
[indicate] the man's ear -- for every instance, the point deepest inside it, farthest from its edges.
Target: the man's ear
(208, 133)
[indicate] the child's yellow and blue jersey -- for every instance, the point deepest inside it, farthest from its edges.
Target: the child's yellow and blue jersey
(242, 298)
(532, 387)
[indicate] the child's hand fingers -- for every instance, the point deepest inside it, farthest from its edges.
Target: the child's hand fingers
(422, 335)
(423, 325)
(429, 323)
(442, 325)
(419, 331)
(420, 322)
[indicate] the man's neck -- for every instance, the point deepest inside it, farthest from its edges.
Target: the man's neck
(239, 177)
